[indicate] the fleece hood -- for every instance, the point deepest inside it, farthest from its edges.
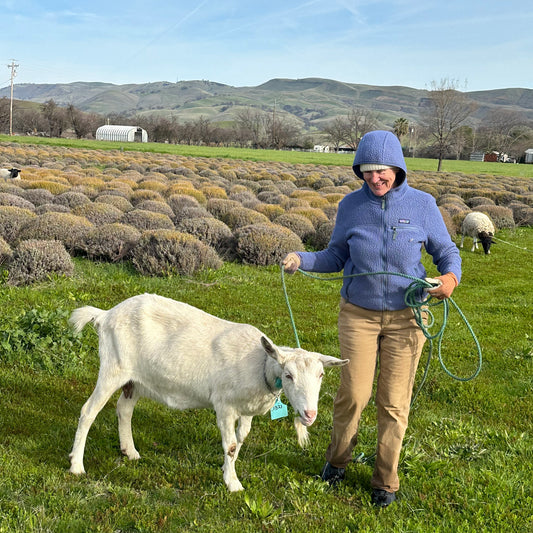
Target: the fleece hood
(380, 148)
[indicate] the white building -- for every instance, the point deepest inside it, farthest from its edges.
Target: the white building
(529, 155)
(121, 133)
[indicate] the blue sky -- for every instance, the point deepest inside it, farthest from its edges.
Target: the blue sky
(480, 44)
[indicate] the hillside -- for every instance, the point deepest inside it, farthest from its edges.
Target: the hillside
(311, 102)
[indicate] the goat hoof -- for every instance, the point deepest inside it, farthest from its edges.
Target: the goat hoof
(133, 455)
(235, 486)
(77, 470)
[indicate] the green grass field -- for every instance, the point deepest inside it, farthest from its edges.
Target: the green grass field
(293, 157)
(466, 466)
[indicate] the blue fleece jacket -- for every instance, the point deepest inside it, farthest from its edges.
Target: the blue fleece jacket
(375, 234)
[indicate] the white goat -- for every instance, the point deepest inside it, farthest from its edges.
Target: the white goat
(478, 226)
(185, 358)
(10, 173)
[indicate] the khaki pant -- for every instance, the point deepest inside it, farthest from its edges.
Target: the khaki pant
(395, 340)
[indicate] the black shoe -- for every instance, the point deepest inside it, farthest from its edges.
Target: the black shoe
(332, 474)
(382, 498)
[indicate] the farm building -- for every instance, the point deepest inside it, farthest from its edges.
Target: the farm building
(529, 155)
(121, 133)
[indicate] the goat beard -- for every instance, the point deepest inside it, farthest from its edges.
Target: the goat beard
(301, 432)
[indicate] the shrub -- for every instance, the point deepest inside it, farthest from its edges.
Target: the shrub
(34, 260)
(16, 201)
(271, 197)
(213, 191)
(448, 221)
(210, 231)
(322, 235)
(46, 208)
(177, 202)
(242, 216)
(315, 215)
(188, 191)
(140, 195)
(299, 224)
(271, 211)
(501, 216)
(156, 206)
(65, 227)
(146, 220)
(52, 186)
(41, 339)
(479, 200)
(12, 220)
(111, 242)
(244, 197)
(191, 212)
(522, 213)
(265, 244)
(166, 252)
(98, 213)
(117, 201)
(72, 199)
(5, 251)
(218, 207)
(38, 196)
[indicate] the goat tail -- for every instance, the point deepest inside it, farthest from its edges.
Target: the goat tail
(301, 432)
(83, 315)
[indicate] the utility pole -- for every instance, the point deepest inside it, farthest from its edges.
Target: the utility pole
(13, 68)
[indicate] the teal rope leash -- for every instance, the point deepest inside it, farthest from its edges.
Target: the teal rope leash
(418, 307)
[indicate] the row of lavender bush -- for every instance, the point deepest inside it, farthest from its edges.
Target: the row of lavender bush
(176, 215)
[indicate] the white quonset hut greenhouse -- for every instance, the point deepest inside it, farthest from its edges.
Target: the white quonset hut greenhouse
(128, 134)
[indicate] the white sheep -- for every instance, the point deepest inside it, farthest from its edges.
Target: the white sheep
(183, 357)
(478, 226)
(10, 173)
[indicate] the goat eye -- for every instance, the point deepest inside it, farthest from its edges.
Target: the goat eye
(288, 376)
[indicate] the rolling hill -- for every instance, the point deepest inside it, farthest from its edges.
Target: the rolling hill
(311, 102)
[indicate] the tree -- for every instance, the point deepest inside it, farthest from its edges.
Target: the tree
(401, 128)
(501, 130)
(56, 118)
(358, 122)
(82, 123)
(447, 110)
(249, 127)
(335, 132)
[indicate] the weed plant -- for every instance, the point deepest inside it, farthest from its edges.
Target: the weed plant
(467, 460)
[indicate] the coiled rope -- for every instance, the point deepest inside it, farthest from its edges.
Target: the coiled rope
(418, 308)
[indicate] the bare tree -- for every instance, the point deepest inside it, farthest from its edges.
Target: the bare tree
(4, 114)
(335, 132)
(82, 123)
(56, 118)
(462, 141)
(502, 130)
(249, 127)
(447, 110)
(358, 122)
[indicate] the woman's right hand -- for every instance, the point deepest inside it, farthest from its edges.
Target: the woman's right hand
(291, 263)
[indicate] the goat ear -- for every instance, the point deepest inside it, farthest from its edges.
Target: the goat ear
(272, 350)
(328, 360)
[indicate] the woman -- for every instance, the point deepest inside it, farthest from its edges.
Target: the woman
(379, 228)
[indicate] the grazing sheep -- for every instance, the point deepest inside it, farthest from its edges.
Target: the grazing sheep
(478, 226)
(11, 173)
(185, 358)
